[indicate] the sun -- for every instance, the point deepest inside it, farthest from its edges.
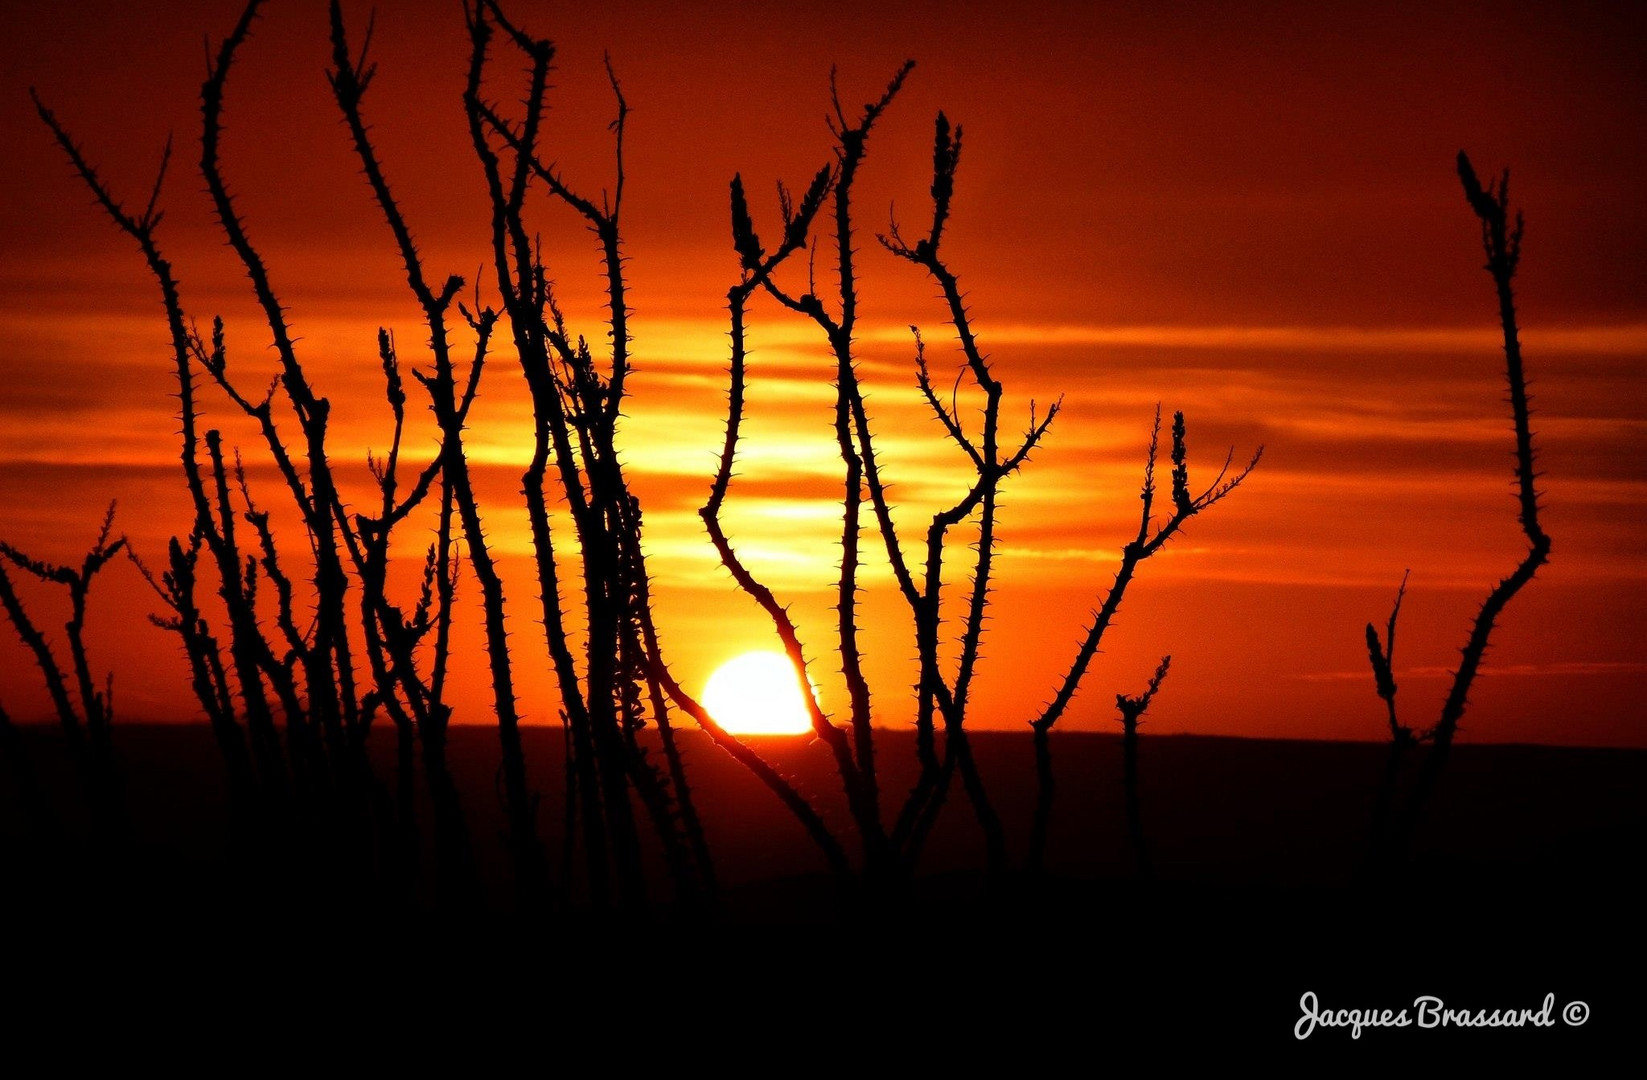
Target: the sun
(758, 693)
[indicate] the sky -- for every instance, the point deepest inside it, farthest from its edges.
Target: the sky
(1245, 211)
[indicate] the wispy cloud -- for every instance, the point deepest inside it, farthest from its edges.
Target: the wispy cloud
(1564, 669)
(1629, 339)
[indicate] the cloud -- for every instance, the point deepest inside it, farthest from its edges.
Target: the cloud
(1613, 340)
(1564, 669)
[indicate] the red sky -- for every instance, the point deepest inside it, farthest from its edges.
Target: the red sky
(1245, 211)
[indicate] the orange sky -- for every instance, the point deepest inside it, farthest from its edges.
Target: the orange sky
(1249, 215)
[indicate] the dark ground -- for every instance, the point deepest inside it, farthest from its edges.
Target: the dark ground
(1525, 882)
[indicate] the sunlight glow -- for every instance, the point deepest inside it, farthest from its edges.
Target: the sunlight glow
(758, 693)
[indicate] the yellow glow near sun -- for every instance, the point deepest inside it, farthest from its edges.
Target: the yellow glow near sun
(758, 693)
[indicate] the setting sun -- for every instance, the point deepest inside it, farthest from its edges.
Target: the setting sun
(758, 693)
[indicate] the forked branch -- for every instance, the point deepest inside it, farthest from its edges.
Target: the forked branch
(1501, 236)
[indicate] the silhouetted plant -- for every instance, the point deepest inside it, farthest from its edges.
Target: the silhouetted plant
(349, 78)
(758, 266)
(87, 726)
(292, 705)
(576, 404)
(309, 674)
(1150, 538)
(1393, 828)
(1132, 710)
(890, 853)
(936, 693)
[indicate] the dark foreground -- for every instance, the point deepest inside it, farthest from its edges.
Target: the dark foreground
(1525, 882)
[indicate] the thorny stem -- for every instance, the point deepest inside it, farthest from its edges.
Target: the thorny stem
(1501, 244)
